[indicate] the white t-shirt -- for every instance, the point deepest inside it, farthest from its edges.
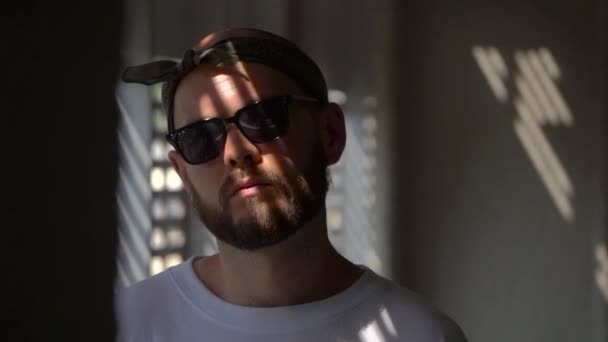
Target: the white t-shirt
(175, 306)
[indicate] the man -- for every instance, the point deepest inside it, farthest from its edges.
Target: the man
(254, 133)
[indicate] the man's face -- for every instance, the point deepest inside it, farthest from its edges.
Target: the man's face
(252, 195)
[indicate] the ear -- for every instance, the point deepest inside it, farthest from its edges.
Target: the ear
(179, 165)
(335, 132)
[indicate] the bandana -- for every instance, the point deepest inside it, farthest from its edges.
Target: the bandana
(276, 54)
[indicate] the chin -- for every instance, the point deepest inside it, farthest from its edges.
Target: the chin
(257, 211)
(259, 204)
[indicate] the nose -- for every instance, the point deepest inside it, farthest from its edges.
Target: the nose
(239, 152)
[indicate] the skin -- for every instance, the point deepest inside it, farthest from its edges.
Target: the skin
(303, 268)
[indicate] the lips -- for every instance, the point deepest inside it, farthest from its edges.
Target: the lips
(248, 184)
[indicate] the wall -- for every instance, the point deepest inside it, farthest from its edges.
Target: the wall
(497, 211)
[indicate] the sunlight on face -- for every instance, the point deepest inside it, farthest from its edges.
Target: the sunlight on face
(223, 83)
(226, 85)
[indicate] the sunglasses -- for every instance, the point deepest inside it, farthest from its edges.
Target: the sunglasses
(261, 121)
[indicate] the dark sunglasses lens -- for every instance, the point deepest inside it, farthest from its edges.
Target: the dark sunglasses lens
(265, 120)
(202, 141)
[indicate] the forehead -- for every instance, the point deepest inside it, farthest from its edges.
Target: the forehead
(220, 91)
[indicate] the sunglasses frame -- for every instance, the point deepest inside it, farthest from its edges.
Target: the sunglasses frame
(173, 137)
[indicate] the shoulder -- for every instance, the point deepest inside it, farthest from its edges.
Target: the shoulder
(143, 294)
(139, 307)
(407, 311)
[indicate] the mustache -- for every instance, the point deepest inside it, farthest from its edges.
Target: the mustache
(231, 179)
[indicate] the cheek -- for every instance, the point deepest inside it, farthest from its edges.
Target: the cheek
(285, 158)
(206, 180)
(301, 151)
(279, 163)
(297, 145)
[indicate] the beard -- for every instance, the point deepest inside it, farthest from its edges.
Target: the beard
(266, 223)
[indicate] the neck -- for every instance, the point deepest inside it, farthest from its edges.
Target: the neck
(302, 269)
